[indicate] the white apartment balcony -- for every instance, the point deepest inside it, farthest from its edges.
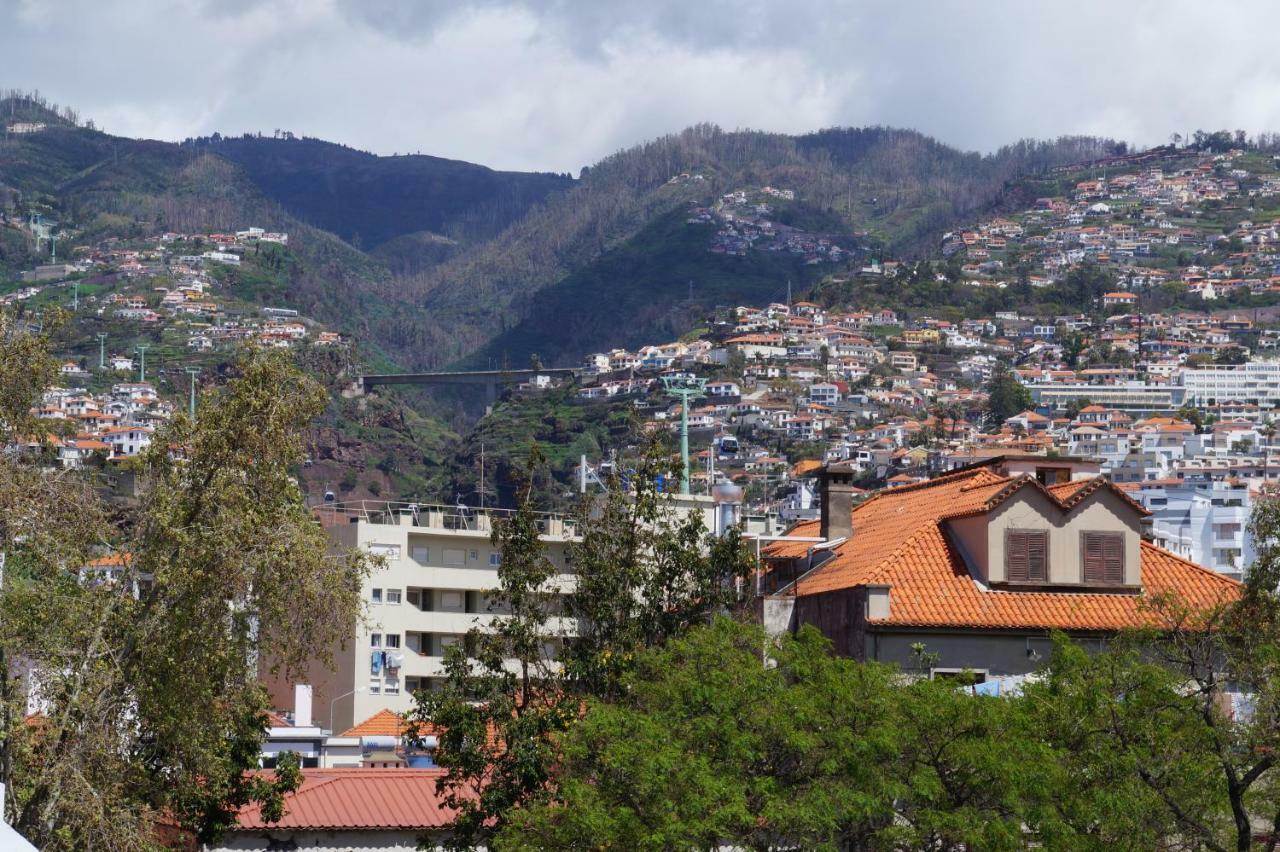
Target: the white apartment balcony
(428, 517)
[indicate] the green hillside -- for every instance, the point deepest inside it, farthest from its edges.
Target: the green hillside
(368, 200)
(891, 188)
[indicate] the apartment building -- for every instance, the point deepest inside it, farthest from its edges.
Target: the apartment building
(437, 563)
(1255, 382)
(1205, 521)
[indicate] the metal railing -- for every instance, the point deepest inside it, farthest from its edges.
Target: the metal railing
(437, 516)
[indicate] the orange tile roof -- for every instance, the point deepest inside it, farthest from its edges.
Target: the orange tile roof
(384, 723)
(899, 540)
(361, 798)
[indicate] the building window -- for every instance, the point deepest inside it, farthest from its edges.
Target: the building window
(391, 687)
(454, 557)
(1102, 555)
(1026, 556)
(475, 556)
(393, 596)
(375, 686)
(420, 554)
(393, 640)
(375, 640)
(495, 559)
(376, 595)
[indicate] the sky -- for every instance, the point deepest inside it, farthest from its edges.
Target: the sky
(553, 85)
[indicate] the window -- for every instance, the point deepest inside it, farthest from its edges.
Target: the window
(1026, 556)
(375, 640)
(393, 640)
(454, 557)
(376, 595)
(375, 687)
(1103, 558)
(393, 596)
(495, 559)
(475, 556)
(391, 687)
(420, 554)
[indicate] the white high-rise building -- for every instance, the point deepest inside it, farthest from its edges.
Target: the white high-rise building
(1255, 382)
(430, 590)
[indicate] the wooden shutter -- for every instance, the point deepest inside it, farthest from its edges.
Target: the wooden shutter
(1025, 556)
(1103, 556)
(1113, 559)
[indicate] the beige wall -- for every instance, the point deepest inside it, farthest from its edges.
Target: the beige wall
(970, 536)
(1030, 509)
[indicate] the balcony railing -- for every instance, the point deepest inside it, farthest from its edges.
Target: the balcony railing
(436, 516)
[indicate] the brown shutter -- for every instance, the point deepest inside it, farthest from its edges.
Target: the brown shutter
(1017, 567)
(1025, 556)
(1037, 556)
(1103, 556)
(1113, 559)
(1093, 562)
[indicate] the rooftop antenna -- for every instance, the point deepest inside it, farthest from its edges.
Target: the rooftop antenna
(684, 386)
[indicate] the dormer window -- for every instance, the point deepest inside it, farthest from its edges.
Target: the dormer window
(1026, 556)
(1102, 555)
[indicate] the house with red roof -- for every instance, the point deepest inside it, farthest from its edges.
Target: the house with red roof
(979, 566)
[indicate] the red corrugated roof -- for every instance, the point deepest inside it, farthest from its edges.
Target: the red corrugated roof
(360, 799)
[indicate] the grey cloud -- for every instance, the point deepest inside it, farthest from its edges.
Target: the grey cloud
(555, 84)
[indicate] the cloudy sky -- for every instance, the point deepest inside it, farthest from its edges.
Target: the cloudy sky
(556, 84)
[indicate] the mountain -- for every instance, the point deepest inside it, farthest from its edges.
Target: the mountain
(367, 200)
(466, 265)
(603, 263)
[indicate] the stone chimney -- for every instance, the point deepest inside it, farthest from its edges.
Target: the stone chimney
(837, 501)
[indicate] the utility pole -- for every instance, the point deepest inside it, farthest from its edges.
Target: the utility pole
(683, 387)
(142, 363)
(75, 297)
(102, 350)
(193, 372)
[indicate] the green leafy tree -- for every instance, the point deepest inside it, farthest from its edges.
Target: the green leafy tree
(710, 746)
(496, 720)
(645, 573)
(147, 666)
(1006, 396)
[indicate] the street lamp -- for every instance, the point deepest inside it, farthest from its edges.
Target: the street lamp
(339, 698)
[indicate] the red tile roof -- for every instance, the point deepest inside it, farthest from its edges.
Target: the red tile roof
(360, 799)
(899, 540)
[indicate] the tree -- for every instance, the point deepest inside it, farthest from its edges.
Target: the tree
(146, 669)
(645, 574)
(709, 746)
(495, 721)
(1006, 396)
(1075, 406)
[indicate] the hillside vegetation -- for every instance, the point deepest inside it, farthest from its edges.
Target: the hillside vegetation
(891, 189)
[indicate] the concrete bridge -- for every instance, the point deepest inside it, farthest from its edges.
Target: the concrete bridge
(491, 379)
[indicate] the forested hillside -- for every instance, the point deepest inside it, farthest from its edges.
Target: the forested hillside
(888, 189)
(368, 200)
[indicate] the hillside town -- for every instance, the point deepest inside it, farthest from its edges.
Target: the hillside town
(719, 427)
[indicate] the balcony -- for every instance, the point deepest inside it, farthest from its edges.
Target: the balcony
(428, 517)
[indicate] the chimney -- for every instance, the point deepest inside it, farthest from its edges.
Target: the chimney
(837, 501)
(302, 705)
